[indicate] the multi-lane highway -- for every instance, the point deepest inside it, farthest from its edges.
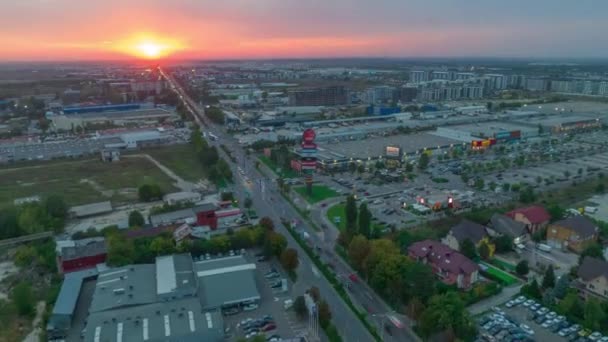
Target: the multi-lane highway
(266, 202)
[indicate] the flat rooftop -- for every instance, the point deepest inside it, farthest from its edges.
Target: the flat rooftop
(226, 281)
(491, 127)
(124, 286)
(374, 147)
(556, 120)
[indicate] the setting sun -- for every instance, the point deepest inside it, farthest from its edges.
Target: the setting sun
(150, 50)
(148, 46)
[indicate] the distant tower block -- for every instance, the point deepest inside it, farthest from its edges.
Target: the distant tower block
(308, 157)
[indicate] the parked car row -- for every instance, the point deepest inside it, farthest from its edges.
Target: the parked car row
(556, 323)
(498, 326)
(263, 325)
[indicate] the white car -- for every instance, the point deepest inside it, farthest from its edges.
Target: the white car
(564, 332)
(595, 336)
(510, 304)
(520, 299)
(551, 314)
(526, 329)
(528, 302)
(542, 311)
(250, 307)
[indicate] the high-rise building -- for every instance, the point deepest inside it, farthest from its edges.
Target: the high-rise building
(380, 94)
(603, 89)
(516, 81)
(562, 86)
(440, 75)
(536, 84)
(417, 76)
(326, 96)
(463, 75)
(496, 81)
(407, 94)
(472, 92)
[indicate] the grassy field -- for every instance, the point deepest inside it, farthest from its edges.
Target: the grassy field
(337, 211)
(319, 193)
(82, 181)
(181, 159)
(504, 265)
(506, 278)
(285, 173)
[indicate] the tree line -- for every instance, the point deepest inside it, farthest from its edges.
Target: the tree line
(215, 167)
(47, 215)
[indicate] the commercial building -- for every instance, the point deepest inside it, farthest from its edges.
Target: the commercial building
(325, 96)
(67, 122)
(451, 267)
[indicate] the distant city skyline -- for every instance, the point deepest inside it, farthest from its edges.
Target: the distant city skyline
(241, 29)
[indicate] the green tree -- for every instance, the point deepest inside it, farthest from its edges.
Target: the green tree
(56, 206)
(571, 305)
(299, 306)
(351, 214)
(248, 203)
(150, 192)
(162, 246)
(549, 278)
(136, 219)
(274, 244)
(365, 220)
(447, 312)
(503, 244)
(506, 187)
(467, 248)
(121, 251)
(484, 251)
(23, 299)
(358, 250)
(556, 211)
(561, 286)
(527, 195)
(25, 256)
(424, 282)
(532, 290)
(289, 259)
(593, 314)
(522, 268)
(600, 188)
(324, 314)
(409, 167)
(479, 183)
(266, 223)
(423, 161)
(594, 250)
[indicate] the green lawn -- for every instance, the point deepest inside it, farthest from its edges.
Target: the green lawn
(504, 265)
(181, 159)
(319, 193)
(81, 181)
(285, 172)
(337, 211)
(506, 278)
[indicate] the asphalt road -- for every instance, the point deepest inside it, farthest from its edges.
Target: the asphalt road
(348, 325)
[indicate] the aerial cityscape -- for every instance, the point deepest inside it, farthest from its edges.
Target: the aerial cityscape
(303, 171)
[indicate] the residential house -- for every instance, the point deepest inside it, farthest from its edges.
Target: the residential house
(593, 278)
(535, 217)
(574, 233)
(502, 225)
(451, 267)
(467, 230)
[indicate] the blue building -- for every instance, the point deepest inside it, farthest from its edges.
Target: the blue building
(101, 108)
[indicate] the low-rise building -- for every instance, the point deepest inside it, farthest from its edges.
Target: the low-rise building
(77, 255)
(450, 266)
(182, 197)
(467, 230)
(593, 278)
(90, 209)
(502, 225)
(574, 233)
(535, 217)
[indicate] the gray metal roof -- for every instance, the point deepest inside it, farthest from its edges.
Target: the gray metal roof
(91, 209)
(124, 286)
(226, 281)
(179, 320)
(88, 247)
(172, 217)
(174, 276)
(70, 289)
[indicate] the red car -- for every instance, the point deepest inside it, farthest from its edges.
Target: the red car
(269, 327)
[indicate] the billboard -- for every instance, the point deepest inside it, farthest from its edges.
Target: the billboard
(393, 151)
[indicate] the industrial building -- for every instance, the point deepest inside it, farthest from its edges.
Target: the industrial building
(174, 299)
(325, 96)
(68, 122)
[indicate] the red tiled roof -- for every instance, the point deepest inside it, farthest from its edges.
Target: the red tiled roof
(443, 257)
(535, 214)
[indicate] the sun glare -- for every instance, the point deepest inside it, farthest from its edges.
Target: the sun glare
(148, 46)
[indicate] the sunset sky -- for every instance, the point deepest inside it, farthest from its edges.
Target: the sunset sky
(212, 29)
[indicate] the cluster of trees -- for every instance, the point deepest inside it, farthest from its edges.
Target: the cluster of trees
(406, 282)
(150, 192)
(30, 218)
(281, 156)
(301, 310)
(123, 251)
(215, 114)
(215, 167)
(358, 221)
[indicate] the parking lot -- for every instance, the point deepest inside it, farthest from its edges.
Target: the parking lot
(523, 319)
(270, 312)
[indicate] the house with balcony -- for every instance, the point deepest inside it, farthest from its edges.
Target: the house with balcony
(592, 278)
(451, 267)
